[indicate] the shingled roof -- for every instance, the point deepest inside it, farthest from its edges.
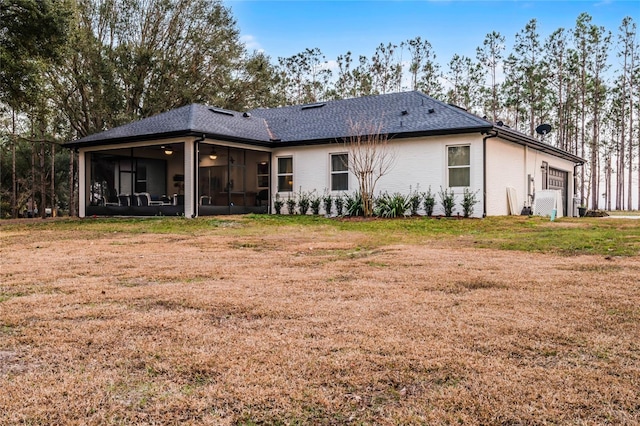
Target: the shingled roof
(188, 120)
(406, 114)
(398, 114)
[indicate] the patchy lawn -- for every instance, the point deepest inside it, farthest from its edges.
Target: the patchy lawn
(289, 320)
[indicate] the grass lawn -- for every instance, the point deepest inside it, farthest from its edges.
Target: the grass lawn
(306, 320)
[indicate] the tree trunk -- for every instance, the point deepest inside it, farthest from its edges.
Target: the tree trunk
(630, 179)
(608, 178)
(594, 162)
(620, 173)
(53, 180)
(43, 180)
(621, 163)
(582, 146)
(32, 197)
(14, 182)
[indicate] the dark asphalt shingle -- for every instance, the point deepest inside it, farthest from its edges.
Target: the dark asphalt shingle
(396, 113)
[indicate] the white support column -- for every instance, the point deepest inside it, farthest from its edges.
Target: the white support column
(190, 184)
(83, 175)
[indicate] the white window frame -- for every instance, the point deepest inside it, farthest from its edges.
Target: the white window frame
(333, 173)
(278, 174)
(449, 167)
(264, 176)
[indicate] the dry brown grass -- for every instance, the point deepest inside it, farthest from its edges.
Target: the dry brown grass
(311, 327)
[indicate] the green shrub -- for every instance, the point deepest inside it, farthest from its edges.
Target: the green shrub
(291, 204)
(353, 204)
(304, 202)
(392, 205)
(315, 204)
(277, 204)
(429, 202)
(414, 199)
(448, 200)
(339, 202)
(469, 199)
(327, 202)
(5, 210)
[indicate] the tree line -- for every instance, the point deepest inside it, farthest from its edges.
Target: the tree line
(71, 68)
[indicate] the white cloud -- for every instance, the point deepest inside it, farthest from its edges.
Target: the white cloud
(251, 43)
(329, 65)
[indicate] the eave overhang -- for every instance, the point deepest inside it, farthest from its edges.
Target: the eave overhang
(502, 132)
(391, 136)
(522, 139)
(162, 136)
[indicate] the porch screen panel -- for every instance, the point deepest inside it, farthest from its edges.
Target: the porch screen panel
(103, 179)
(155, 176)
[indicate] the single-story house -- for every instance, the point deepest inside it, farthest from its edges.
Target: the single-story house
(200, 160)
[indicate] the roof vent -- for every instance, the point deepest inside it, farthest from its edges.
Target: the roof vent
(221, 111)
(312, 106)
(404, 112)
(246, 114)
(431, 110)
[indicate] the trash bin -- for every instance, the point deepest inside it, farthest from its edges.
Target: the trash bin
(576, 207)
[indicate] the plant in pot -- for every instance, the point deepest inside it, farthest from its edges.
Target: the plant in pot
(582, 210)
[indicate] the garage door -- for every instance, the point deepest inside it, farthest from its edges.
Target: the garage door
(558, 179)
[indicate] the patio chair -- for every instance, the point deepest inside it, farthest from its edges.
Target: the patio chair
(124, 200)
(144, 199)
(262, 196)
(178, 200)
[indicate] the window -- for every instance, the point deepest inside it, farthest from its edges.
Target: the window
(141, 178)
(285, 174)
(339, 172)
(263, 174)
(459, 165)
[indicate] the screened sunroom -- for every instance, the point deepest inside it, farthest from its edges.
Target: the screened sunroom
(160, 180)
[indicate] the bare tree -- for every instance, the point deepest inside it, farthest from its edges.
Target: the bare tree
(370, 158)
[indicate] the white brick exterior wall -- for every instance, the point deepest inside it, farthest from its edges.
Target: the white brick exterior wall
(422, 162)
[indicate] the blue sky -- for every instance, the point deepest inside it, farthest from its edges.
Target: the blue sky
(284, 28)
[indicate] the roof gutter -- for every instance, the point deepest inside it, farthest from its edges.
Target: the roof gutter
(165, 135)
(539, 146)
(390, 136)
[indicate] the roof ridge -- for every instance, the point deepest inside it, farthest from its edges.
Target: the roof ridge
(192, 116)
(455, 108)
(272, 136)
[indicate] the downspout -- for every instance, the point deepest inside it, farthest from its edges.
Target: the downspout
(489, 134)
(196, 170)
(575, 188)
